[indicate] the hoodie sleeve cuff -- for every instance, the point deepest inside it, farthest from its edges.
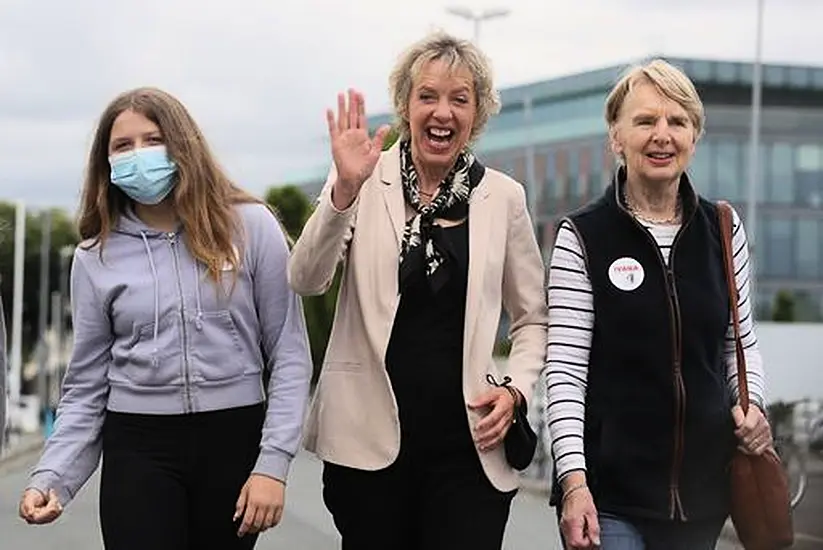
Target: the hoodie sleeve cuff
(274, 464)
(46, 481)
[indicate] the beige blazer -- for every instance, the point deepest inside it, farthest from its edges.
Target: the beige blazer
(353, 418)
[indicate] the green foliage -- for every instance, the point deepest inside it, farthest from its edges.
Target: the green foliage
(502, 348)
(784, 307)
(62, 234)
(292, 206)
(392, 136)
(294, 209)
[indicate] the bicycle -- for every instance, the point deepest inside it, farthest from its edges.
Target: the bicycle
(794, 458)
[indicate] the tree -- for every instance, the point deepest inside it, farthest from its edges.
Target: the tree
(784, 306)
(391, 137)
(294, 209)
(806, 307)
(62, 234)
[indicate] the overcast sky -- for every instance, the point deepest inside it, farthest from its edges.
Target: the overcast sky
(258, 74)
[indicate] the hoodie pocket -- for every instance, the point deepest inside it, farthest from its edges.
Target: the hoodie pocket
(216, 350)
(148, 360)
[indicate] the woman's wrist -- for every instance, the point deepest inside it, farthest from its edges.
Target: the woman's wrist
(571, 490)
(572, 479)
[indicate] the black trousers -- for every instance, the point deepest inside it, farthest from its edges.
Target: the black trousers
(172, 482)
(417, 505)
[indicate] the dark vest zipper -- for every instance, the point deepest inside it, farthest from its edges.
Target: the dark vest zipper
(675, 505)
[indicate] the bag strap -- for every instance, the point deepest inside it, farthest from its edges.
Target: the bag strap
(724, 211)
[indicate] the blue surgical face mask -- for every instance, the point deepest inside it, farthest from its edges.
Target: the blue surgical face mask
(146, 175)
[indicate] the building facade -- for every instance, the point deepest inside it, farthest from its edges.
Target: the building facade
(551, 136)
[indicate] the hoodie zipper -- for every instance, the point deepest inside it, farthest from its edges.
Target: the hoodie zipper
(675, 505)
(186, 369)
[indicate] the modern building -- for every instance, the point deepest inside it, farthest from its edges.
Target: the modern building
(551, 136)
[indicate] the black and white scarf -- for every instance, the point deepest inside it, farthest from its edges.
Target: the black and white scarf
(424, 245)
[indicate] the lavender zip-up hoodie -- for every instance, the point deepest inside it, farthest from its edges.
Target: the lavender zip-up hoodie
(153, 334)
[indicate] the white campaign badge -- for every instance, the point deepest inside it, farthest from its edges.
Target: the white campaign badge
(626, 273)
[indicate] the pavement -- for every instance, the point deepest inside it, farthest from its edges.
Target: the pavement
(306, 524)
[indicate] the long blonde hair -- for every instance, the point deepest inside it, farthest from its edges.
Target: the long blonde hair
(204, 196)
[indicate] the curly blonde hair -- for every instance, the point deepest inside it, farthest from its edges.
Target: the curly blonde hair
(456, 53)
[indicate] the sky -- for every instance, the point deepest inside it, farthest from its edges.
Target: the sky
(258, 75)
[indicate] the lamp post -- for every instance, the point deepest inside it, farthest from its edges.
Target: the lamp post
(17, 307)
(754, 151)
(43, 319)
(477, 18)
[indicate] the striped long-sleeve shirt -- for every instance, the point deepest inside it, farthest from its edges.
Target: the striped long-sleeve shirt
(571, 322)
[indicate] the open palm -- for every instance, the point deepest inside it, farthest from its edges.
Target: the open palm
(355, 153)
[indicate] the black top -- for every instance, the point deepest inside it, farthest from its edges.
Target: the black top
(424, 358)
(658, 427)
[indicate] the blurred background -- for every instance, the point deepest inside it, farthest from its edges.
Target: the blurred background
(259, 75)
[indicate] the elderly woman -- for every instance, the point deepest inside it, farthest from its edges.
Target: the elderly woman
(407, 416)
(641, 370)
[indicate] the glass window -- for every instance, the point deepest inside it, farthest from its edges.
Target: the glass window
(777, 247)
(700, 70)
(762, 171)
(727, 170)
(780, 182)
(726, 72)
(809, 244)
(508, 166)
(516, 116)
(817, 78)
(798, 77)
(809, 175)
(809, 186)
(574, 174)
(554, 187)
(764, 300)
(809, 158)
(700, 168)
(758, 247)
(773, 76)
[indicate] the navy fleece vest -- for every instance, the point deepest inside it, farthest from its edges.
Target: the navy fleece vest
(658, 429)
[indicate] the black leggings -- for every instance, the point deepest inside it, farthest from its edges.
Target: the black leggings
(171, 482)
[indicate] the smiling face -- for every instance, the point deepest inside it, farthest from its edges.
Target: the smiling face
(442, 111)
(654, 135)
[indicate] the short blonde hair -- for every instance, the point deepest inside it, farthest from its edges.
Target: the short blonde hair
(456, 53)
(669, 80)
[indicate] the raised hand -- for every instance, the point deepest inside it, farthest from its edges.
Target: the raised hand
(355, 153)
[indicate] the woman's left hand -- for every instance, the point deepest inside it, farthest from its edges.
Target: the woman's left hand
(260, 504)
(491, 430)
(753, 430)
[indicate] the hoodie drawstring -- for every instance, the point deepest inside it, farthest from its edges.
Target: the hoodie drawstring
(156, 297)
(198, 320)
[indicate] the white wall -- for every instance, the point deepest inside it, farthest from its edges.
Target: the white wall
(793, 357)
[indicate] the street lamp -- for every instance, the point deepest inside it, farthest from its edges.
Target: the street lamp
(478, 17)
(754, 150)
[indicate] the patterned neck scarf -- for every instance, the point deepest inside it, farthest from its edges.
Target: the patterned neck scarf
(424, 245)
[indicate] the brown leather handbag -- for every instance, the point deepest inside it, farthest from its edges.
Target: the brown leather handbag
(760, 507)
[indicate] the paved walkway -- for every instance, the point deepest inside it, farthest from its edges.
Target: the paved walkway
(306, 524)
